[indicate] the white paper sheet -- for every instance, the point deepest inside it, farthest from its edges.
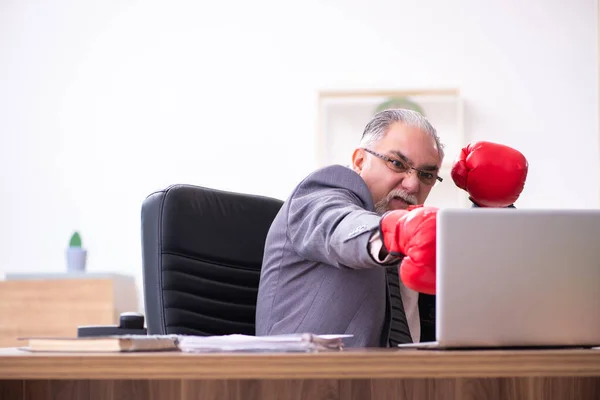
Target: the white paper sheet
(303, 342)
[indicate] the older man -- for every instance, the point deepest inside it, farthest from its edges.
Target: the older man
(332, 253)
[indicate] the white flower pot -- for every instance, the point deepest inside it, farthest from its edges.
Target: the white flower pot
(76, 258)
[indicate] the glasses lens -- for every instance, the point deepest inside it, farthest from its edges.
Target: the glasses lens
(428, 178)
(398, 165)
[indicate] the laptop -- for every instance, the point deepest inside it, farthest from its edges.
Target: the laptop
(514, 278)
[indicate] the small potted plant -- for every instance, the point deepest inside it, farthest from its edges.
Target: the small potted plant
(76, 254)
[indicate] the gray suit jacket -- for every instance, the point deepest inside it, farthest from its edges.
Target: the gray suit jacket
(317, 274)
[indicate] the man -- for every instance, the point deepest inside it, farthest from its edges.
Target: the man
(331, 256)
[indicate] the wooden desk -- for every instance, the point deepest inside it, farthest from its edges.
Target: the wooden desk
(352, 374)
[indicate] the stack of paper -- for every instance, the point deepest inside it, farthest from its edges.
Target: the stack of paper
(304, 342)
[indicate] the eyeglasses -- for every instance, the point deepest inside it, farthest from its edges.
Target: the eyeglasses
(400, 166)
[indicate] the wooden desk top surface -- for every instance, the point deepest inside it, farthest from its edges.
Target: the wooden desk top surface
(364, 363)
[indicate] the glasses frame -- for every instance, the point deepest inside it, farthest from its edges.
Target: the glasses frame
(404, 163)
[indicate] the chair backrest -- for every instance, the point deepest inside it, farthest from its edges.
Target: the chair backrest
(202, 251)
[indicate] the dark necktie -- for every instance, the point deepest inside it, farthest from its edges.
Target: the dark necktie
(427, 317)
(399, 331)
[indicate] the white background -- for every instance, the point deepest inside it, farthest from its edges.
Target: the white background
(103, 102)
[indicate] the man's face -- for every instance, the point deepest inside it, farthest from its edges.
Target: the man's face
(393, 190)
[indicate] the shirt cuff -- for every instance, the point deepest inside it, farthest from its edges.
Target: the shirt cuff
(375, 245)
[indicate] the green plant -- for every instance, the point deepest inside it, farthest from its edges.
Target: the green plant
(399, 102)
(75, 240)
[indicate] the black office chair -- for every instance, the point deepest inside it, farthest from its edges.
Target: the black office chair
(202, 251)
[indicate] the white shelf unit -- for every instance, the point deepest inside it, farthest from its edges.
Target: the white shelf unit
(342, 116)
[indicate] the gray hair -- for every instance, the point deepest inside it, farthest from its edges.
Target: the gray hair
(379, 124)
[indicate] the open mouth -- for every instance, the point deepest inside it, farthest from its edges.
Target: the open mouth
(399, 203)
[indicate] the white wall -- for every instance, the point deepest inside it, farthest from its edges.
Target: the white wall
(103, 102)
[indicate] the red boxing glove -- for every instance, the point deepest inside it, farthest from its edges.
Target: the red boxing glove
(492, 174)
(411, 233)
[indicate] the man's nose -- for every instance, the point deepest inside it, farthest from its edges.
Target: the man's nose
(411, 182)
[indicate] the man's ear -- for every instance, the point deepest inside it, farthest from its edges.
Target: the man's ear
(358, 160)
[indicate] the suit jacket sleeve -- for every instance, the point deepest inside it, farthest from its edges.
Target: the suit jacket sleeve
(331, 219)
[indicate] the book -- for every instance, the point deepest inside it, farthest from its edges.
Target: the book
(104, 344)
(297, 342)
